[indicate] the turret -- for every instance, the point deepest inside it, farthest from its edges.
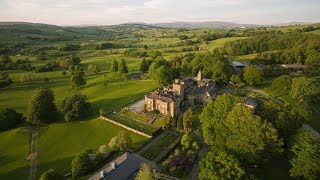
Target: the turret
(199, 76)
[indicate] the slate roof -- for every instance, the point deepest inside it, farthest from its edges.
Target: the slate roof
(126, 167)
(166, 96)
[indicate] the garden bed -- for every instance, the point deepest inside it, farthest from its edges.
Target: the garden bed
(153, 151)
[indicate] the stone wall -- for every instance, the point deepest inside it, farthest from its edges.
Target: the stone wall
(125, 127)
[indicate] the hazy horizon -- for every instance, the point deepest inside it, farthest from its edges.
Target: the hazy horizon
(108, 12)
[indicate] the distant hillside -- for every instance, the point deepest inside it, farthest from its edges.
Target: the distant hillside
(35, 32)
(206, 24)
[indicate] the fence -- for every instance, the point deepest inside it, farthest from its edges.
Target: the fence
(126, 127)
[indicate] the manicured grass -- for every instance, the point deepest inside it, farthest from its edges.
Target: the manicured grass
(140, 117)
(58, 143)
(152, 152)
(125, 120)
(14, 149)
(56, 146)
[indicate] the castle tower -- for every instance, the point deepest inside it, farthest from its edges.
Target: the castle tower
(199, 76)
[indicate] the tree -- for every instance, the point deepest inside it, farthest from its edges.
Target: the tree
(180, 123)
(155, 65)
(221, 69)
(187, 120)
(4, 79)
(75, 107)
(81, 163)
(304, 89)
(93, 68)
(214, 113)
(284, 118)
(113, 144)
(51, 175)
(220, 166)
(28, 77)
(144, 66)
(66, 62)
(163, 75)
(304, 156)
(77, 78)
(9, 118)
(114, 66)
(246, 135)
(146, 173)
(125, 141)
(123, 67)
(252, 75)
(156, 54)
(236, 80)
(41, 108)
(120, 142)
(282, 83)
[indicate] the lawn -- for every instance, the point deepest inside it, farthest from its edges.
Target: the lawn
(56, 146)
(125, 120)
(139, 117)
(58, 143)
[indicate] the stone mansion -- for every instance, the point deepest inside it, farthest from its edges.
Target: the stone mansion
(186, 93)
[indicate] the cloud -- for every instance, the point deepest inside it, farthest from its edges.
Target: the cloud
(72, 12)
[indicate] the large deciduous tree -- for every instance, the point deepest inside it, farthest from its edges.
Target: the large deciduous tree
(81, 164)
(305, 156)
(146, 173)
(304, 89)
(214, 113)
(252, 75)
(246, 135)
(120, 142)
(282, 83)
(41, 108)
(75, 107)
(187, 120)
(220, 166)
(163, 75)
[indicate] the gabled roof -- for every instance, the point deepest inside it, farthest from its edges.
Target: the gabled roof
(126, 165)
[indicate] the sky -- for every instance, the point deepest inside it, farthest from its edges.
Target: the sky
(105, 12)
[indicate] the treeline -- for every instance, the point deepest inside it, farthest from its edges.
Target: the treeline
(263, 43)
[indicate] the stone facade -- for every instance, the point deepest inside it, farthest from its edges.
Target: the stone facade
(187, 93)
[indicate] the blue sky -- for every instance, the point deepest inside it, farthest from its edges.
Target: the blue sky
(102, 12)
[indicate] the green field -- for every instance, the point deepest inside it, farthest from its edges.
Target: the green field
(56, 146)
